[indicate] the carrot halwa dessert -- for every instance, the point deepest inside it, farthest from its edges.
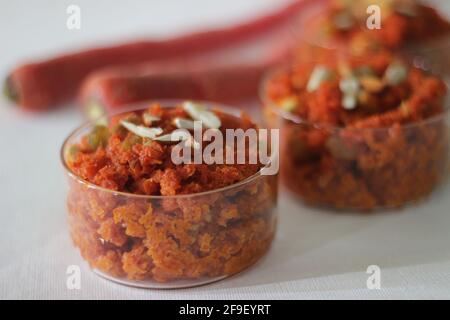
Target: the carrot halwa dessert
(136, 215)
(360, 133)
(403, 23)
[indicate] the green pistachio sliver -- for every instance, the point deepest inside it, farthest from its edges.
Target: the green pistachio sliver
(319, 75)
(130, 141)
(289, 104)
(395, 73)
(149, 118)
(199, 112)
(98, 137)
(71, 153)
(182, 123)
(349, 101)
(141, 131)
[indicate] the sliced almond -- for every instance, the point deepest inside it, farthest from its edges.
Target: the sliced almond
(349, 85)
(182, 123)
(395, 73)
(149, 118)
(200, 113)
(372, 84)
(349, 101)
(319, 75)
(180, 136)
(141, 131)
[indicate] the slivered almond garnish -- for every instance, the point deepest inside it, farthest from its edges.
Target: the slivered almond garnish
(149, 118)
(319, 74)
(141, 131)
(349, 85)
(182, 123)
(349, 101)
(395, 73)
(200, 113)
(350, 88)
(177, 137)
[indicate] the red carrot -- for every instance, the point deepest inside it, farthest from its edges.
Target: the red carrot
(107, 91)
(42, 85)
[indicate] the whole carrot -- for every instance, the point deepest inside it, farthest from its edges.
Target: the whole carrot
(109, 90)
(42, 85)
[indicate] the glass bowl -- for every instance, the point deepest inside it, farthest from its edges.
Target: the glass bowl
(346, 32)
(359, 169)
(170, 241)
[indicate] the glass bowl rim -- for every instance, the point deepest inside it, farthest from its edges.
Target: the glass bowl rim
(142, 106)
(296, 119)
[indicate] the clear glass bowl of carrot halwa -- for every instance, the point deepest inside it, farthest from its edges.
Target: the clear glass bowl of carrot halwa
(358, 27)
(139, 219)
(360, 134)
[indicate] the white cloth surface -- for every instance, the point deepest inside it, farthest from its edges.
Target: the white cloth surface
(316, 254)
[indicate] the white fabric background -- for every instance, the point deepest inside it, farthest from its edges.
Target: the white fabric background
(316, 254)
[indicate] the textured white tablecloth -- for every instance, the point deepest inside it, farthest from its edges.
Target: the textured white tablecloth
(316, 254)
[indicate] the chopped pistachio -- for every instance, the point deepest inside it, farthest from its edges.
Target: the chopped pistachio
(395, 73)
(149, 118)
(71, 153)
(200, 113)
(319, 74)
(289, 104)
(182, 123)
(98, 137)
(141, 131)
(130, 141)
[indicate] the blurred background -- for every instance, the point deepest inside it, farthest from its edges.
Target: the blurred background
(38, 28)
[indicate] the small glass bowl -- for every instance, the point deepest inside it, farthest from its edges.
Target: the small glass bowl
(359, 169)
(170, 241)
(314, 38)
